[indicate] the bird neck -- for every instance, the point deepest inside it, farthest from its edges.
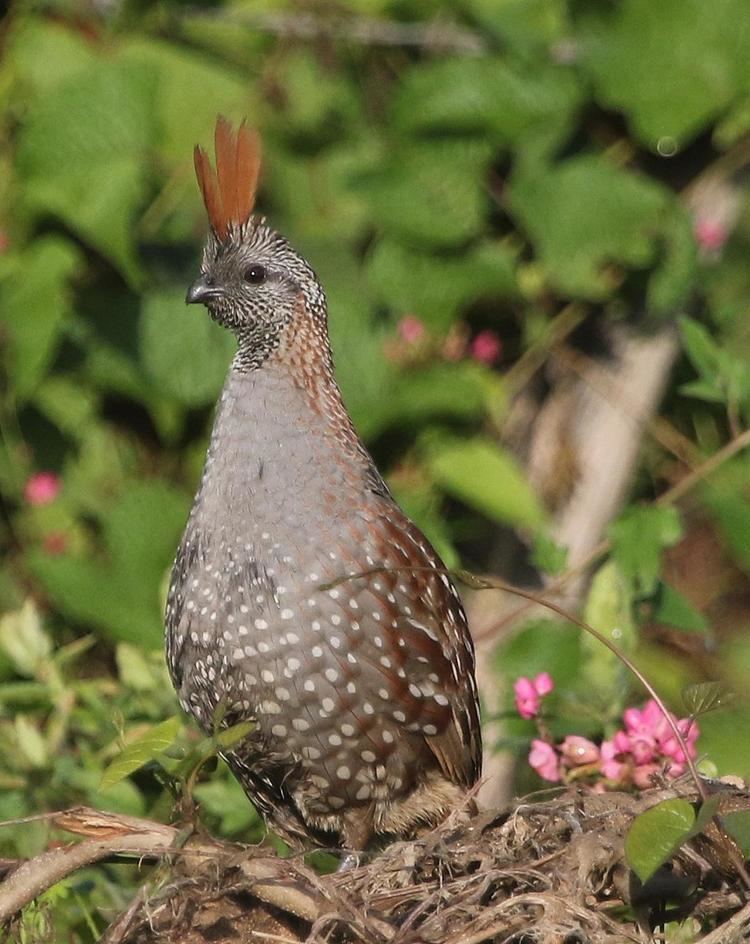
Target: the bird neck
(284, 422)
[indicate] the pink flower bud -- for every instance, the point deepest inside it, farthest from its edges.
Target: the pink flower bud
(642, 747)
(42, 488)
(543, 758)
(710, 234)
(527, 698)
(611, 767)
(543, 683)
(577, 751)
(411, 329)
(621, 742)
(486, 347)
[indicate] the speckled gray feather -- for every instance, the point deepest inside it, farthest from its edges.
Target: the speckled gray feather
(302, 597)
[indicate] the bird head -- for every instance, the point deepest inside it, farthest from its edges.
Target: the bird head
(252, 281)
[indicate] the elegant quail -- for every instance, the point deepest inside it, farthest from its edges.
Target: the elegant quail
(302, 598)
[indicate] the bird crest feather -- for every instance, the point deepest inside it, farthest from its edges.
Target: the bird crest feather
(229, 190)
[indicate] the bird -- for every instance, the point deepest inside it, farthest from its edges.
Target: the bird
(302, 598)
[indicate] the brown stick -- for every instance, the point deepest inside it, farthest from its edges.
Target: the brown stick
(110, 834)
(120, 836)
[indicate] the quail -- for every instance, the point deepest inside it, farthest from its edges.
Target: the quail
(302, 598)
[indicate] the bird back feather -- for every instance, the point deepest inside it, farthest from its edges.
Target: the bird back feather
(229, 190)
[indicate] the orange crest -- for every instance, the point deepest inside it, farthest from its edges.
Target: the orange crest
(229, 191)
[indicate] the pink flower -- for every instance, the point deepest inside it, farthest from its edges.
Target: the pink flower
(411, 329)
(577, 751)
(671, 747)
(486, 347)
(543, 683)
(529, 693)
(610, 764)
(711, 235)
(42, 488)
(643, 775)
(543, 758)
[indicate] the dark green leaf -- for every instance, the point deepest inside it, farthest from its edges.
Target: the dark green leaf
(89, 169)
(656, 835)
(34, 301)
(670, 66)
(436, 289)
(430, 194)
(489, 95)
(486, 478)
(122, 596)
(676, 610)
(638, 539)
(738, 826)
(182, 350)
(585, 214)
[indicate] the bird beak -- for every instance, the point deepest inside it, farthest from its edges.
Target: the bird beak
(200, 292)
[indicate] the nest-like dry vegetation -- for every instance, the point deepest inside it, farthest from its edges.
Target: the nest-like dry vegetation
(539, 872)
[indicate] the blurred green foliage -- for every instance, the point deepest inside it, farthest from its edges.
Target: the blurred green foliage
(477, 166)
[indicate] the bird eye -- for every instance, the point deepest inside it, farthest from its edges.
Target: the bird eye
(256, 275)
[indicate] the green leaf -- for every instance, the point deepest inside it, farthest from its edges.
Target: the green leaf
(89, 170)
(430, 194)
(724, 376)
(136, 671)
(673, 279)
(30, 742)
(676, 610)
(316, 102)
(702, 697)
(43, 53)
(550, 557)
(656, 835)
(182, 349)
(701, 348)
(24, 640)
(139, 752)
(34, 301)
(436, 289)
(671, 66)
(490, 95)
(725, 736)
(189, 90)
(225, 799)
(67, 404)
(487, 478)
(584, 214)
(638, 538)
(523, 25)
(726, 499)
(448, 390)
(121, 596)
(738, 826)
(228, 737)
(609, 610)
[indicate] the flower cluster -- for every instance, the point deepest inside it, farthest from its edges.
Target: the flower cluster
(529, 693)
(645, 746)
(415, 343)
